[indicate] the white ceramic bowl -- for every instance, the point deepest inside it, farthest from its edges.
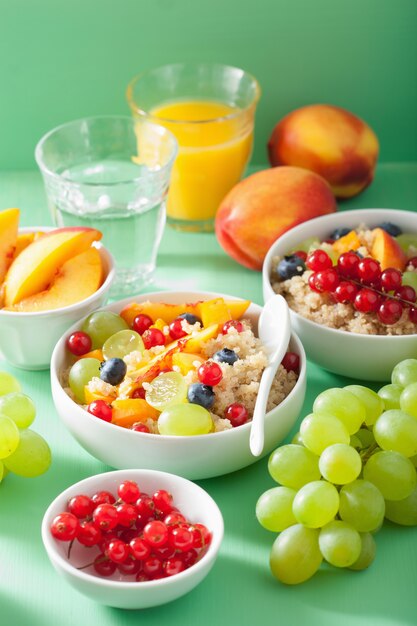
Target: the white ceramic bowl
(366, 357)
(28, 339)
(196, 457)
(192, 500)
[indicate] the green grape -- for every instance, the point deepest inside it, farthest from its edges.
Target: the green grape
(295, 555)
(390, 395)
(366, 438)
(101, 325)
(342, 404)
(410, 279)
(185, 420)
(8, 383)
(316, 504)
(407, 240)
(32, 456)
(393, 474)
(413, 460)
(80, 375)
(2, 468)
(361, 505)
(404, 511)
(355, 442)
(274, 509)
(340, 464)
(122, 343)
(320, 430)
(297, 439)
(374, 405)
(397, 430)
(9, 436)
(293, 466)
(408, 399)
(368, 551)
(340, 544)
(405, 373)
(19, 408)
(308, 244)
(165, 390)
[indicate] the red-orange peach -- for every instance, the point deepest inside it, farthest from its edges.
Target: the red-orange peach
(262, 207)
(330, 141)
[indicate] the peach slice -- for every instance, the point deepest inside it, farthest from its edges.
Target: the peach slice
(77, 279)
(35, 268)
(214, 312)
(9, 224)
(348, 242)
(388, 251)
(128, 411)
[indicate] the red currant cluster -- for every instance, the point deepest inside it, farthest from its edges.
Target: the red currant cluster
(360, 282)
(139, 535)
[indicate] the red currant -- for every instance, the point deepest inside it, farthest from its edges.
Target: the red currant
(65, 527)
(128, 491)
(153, 337)
(139, 427)
(189, 557)
(202, 536)
(369, 271)
(117, 551)
(347, 265)
(106, 538)
(391, 279)
(129, 567)
(105, 517)
(412, 261)
(128, 534)
(152, 568)
(412, 314)
(104, 566)
(406, 293)
(312, 283)
(142, 323)
(127, 514)
(366, 301)
(326, 280)
(141, 577)
(140, 549)
(173, 566)
(318, 260)
(390, 311)
(210, 373)
(79, 343)
(164, 553)
(301, 254)
(232, 324)
(181, 538)
(236, 413)
(345, 292)
(100, 409)
(103, 497)
(155, 534)
(174, 518)
(139, 392)
(176, 330)
(81, 506)
(291, 362)
(88, 534)
(145, 506)
(163, 501)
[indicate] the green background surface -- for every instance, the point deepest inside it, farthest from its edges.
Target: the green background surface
(61, 60)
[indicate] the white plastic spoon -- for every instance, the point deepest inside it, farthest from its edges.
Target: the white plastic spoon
(274, 331)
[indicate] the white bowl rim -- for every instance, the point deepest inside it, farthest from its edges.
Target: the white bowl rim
(314, 325)
(223, 433)
(49, 541)
(72, 307)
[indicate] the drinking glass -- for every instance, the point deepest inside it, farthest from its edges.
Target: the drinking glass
(98, 174)
(210, 109)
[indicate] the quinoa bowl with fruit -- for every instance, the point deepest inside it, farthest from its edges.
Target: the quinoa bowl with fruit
(350, 280)
(171, 382)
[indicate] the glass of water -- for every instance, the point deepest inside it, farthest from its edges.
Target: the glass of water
(107, 173)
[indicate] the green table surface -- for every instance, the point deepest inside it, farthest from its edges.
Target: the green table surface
(240, 589)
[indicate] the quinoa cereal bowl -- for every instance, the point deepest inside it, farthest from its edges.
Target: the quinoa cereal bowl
(350, 280)
(184, 407)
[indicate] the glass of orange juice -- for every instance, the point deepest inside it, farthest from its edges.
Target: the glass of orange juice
(210, 109)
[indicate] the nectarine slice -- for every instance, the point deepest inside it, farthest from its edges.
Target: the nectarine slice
(77, 279)
(130, 410)
(34, 269)
(348, 242)
(214, 312)
(388, 251)
(9, 225)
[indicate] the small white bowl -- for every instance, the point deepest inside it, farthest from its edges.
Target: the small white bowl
(200, 456)
(28, 339)
(366, 357)
(194, 503)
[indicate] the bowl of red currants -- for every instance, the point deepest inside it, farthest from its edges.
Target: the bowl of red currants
(350, 280)
(133, 539)
(168, 381)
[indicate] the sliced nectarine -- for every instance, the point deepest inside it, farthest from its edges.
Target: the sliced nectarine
(9, 224)
(77, 279)
(348, 242)
(186, 362)
(388, 251)
(130, 410)
(214, 312)
(36, 266)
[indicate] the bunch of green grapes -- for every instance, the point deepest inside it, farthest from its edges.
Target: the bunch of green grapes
(22, 450)
(352, 463)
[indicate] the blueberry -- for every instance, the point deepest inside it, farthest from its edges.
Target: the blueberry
(113, 371)
(339, 232)
(190, 318)
(289, 266)
(390, 228)
(225, 356)
(201, 394)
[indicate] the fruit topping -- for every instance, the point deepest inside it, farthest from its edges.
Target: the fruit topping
(113, 371)
(290, 266)
(390, 228)
(337, 233)
(226, 356)
(201, 394)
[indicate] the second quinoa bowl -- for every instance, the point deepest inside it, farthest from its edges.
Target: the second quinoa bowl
(150, 444)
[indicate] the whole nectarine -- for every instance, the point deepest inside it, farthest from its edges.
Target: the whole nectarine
(330, 141)
(265, 205)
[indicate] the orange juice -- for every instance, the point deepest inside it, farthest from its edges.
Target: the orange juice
(215, 143)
